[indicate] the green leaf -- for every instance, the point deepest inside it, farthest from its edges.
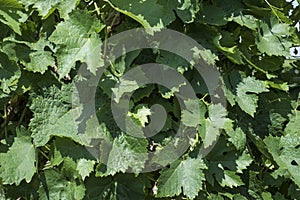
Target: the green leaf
(31, 55)
(293, 126)
(53, 116)
(125, 86)
(187, 10)
(11, 14)
(19, 162)
(285, 152)
(77, 40)
(46, 8)
(233, 53)
(180, 64)
(213, 15)
(231, 179)
(237, 138)
(217, 13)
(126, 153)
(117, 187)
(190, 115)
(248, 21)
(67, 151)
(247, 91)
(152, 20)
(214, 123)
(206, 55)
(274, 39)
(9, 76)
(56, 186)
(186, 175)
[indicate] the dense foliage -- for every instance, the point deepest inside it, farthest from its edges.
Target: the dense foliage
(42, 46)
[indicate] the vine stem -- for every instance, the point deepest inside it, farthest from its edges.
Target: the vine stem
(5, 121)
(273, 8)
(253, 65)
(22, 115)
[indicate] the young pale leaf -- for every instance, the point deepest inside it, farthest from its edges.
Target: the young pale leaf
(85, 167)
(248, 21)
(19, 162)
(141, 116)
(187, 175)
(243, 162)
(125, 86)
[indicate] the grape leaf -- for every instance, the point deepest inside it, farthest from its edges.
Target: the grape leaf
(186, 174)
(141, 116)
(153, 19)
(117, 187)
(11, 14)
(124, 86)
(73, 154)
(19, 162)
(46, 8)
(190, 115)
(231, 179)
(217, 120)
(9, 75)
(274, 40)
(237, 137)
(248, 21)
(285, 150)
(205, 54)
(293, 126)
(225, 164)
(247, 91)
(53, 116)
(85, 167)
(186, 10)
(243, 162)
(77, 40)
(56, 186)
(176, 62)
(31, 55)
(126, 153)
